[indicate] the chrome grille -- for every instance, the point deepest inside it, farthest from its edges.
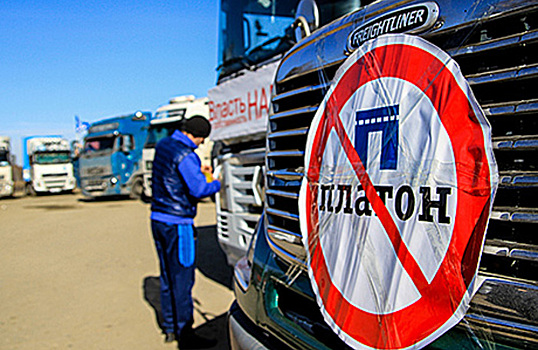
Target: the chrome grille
(499, 58)
(500, 62)
(294, 107)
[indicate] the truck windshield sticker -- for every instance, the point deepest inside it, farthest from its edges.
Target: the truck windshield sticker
(399, 181)
(410, 19)
(103, 127)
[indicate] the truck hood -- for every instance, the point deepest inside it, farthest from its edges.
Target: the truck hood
(98, 166)
(329, 45)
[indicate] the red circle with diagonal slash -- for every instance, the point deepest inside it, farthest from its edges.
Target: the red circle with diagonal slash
(410, 61)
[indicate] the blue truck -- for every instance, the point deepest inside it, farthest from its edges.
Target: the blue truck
(109, 164)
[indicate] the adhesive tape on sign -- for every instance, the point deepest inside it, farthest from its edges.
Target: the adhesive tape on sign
(400, 177)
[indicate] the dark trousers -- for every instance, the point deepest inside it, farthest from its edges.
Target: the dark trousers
(176, 280)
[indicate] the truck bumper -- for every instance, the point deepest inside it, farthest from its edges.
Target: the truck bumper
(245, 335)
(6, 189)
(103, 186)
(54, 185)
(269, 309)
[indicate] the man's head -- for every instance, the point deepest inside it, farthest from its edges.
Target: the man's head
(196, 128)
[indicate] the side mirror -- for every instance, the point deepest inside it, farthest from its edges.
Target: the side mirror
(306, 19)
(126, 144)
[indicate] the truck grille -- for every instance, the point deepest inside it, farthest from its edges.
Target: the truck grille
(94, 185)
(55, 183)
(500, 62)
(240, 200)
(55, 175)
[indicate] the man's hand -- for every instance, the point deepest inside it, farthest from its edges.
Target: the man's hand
(207, 169)
(208, 172)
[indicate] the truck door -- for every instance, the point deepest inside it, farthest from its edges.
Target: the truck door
(125, 155)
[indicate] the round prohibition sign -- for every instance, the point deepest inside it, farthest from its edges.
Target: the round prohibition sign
(444, 297)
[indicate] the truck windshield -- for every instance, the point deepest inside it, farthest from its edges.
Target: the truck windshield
(170, 113)
(4, 158)
(52, 157)
(157, 132)
(253, 31)
(99, 144)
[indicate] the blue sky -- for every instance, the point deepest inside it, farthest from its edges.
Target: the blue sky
(97, 59)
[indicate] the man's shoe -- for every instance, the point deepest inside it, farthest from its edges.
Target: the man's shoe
(190, 340)
(169, 337)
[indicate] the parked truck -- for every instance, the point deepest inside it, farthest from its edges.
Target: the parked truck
(47, 165)
(110, 162)
(166, 119)
(7, 184)
(297, 286)
(253, 37)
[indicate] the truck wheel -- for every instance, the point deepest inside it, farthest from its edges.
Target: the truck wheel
(145, 198)
(29, 190)
(137, 189)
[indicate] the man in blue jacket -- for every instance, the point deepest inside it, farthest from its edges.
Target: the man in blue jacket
(178, 184)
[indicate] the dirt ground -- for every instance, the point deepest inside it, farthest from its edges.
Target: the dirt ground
(78, 274)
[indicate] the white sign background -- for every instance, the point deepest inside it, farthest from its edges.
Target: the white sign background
(240, 106)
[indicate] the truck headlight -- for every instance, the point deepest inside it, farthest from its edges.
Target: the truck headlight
(113, 180)
(242, 271)
(243, 267)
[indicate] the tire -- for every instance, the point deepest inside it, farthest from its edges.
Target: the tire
(137, 189)
(145, 198)
(29, 190)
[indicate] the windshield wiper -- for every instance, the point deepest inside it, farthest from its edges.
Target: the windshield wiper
(280, 39)
(238, 59)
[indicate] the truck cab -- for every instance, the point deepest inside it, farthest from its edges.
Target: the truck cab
(492, 42)
(112, 153)
(6, 170)
(253, 36)
(47, 165)
(166, 120)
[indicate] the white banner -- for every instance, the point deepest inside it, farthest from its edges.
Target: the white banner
(240, 106)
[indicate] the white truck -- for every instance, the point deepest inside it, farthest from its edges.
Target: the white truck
(167, 118)
(253, 36)
(6, 170)
(47, 166)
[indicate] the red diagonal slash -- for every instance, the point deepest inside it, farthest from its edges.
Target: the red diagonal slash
(402, 251)
(331, 113)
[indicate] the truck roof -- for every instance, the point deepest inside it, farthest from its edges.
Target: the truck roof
(136, 115)
(181, 107)
(118, 124)
(182, 102)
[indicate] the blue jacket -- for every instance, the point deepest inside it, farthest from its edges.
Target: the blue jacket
(178, 183)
